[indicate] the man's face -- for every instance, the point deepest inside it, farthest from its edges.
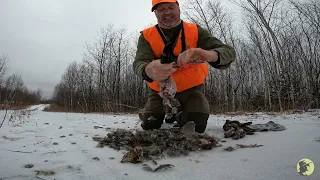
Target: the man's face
(168, 13)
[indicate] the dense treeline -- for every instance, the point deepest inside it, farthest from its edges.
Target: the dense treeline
(277, 66)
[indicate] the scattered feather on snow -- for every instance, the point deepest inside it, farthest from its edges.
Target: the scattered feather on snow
(141, 145)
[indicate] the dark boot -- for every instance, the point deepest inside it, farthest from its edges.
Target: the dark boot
(195, 107)
(152, 121)
(170, 121)
(200, 119)
(179, 119)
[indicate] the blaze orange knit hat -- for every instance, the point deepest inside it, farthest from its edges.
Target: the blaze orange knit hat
(156, 2)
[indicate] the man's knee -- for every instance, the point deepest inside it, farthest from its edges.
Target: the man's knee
(152, 121)
(152, 115)
(154, 103)
(200, 120)
(194, 100)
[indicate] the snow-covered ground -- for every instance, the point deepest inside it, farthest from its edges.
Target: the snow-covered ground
(62, 143)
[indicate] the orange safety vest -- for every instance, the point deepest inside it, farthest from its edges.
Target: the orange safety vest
(185, 77)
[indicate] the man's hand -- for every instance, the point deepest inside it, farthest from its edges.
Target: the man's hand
(159, 72)
(196, 55)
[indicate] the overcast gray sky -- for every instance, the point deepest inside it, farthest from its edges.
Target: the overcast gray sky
(41, 37)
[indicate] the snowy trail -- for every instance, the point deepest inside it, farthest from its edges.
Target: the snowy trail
(62, 143)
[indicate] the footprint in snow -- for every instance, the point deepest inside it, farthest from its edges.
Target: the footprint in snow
(28, 166)
(96, 158)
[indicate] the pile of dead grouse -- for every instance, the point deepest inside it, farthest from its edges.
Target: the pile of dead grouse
(156, 144)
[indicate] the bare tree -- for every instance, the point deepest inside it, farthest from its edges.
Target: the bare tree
(14, 84)
(262, 16)
(306, 36)
(98, 57)
(102, 77)
(3, 67)
(3, 71)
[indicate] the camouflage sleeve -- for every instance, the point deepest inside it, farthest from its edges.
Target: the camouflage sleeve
(144, 56)
(227, 54)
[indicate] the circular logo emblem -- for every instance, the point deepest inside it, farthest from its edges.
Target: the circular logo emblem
(305, 167)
